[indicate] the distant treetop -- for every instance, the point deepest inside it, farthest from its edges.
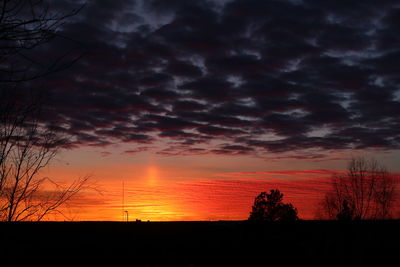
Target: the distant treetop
(269, 207)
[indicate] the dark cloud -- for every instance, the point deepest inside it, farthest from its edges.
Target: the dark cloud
(159, 94)
(257, 76)
(237, 109)
(183, 69)
(164, 124)
(210, 88)
(233, 150)
(176, 134)
(285, 125)
(236, 65)
(155, 79)
(135, 150)
(182, 106)
(215, 119)
(216, 131)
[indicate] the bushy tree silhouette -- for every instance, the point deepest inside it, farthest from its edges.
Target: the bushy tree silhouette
(269, 207)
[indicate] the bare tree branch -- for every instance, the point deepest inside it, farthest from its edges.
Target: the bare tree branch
(366, 191)
(26, 145)
(25, 25)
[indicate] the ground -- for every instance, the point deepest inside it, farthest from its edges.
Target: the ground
(201, 243)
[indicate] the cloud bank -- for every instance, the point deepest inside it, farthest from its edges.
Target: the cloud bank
(230, 77)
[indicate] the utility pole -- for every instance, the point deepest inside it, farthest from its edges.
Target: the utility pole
(123, 201)
(125, 214)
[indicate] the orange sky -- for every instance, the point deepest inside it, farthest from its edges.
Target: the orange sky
(203, 199)
(159, 188)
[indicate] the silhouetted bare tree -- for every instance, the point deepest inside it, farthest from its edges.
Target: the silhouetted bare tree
(365, 191)
(26, 144)
(269, 207)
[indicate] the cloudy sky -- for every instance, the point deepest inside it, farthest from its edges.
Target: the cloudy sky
(217, 96)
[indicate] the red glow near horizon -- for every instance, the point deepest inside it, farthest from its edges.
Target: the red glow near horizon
(158, 190)
(202, 199)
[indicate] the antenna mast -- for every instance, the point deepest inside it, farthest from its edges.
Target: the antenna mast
(123, 201)
(125, 215)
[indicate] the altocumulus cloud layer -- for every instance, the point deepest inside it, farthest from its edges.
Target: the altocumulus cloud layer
(231, 77)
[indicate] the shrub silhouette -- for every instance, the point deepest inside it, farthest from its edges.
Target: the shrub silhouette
(346, 214)
(269, 207)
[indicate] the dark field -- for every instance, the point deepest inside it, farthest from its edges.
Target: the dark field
(202, 243)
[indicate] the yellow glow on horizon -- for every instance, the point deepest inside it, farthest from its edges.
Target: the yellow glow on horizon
(170, 189)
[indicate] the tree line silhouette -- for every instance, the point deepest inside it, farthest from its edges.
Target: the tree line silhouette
(366, 191)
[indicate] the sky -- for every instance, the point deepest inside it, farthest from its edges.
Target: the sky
(198, 106)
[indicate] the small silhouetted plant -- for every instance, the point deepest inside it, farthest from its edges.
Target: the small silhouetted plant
(346, 214)
(269, 207)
